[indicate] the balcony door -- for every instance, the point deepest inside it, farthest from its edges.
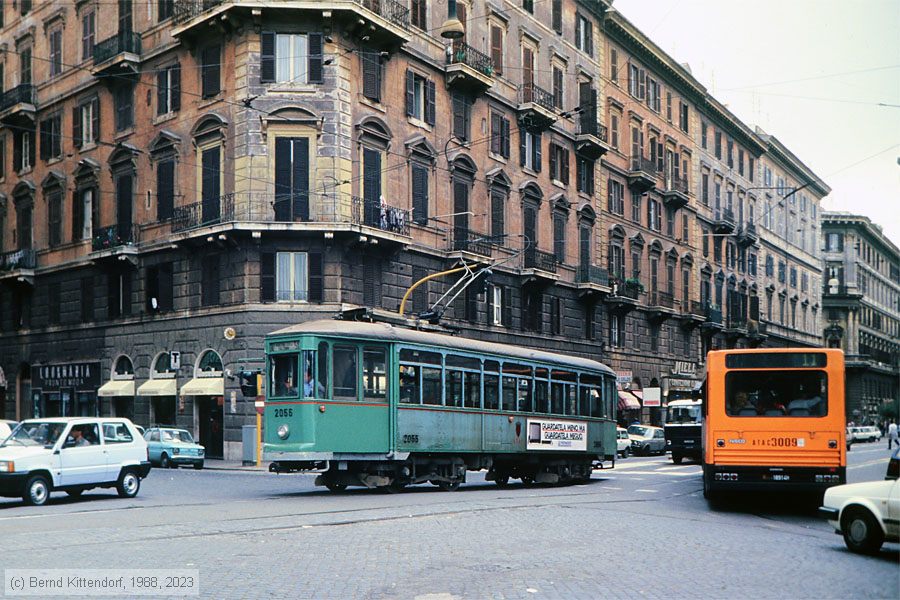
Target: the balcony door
(124, 206)
(372, 186)
(292, 179)
(211, 190)
(125, 18)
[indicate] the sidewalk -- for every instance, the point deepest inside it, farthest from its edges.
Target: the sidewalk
(233, 465)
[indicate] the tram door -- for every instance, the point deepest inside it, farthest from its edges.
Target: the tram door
(358, 420)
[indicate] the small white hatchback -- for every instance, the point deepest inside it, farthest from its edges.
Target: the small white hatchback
(72, 454)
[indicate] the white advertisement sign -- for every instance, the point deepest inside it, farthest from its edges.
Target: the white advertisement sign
(652, 396)
(556, 435)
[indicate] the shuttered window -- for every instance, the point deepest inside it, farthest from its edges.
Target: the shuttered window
(420, 193)
(291, 57)
(210, 70)
(211, 277)
(556, 16)
(54, 213)
(124, 101)
(461, 116)
(165, 189)
(530, 149)
(497, 49)
(291, 179)
(420, 95)
(499, 135)
(418, 13)
(584, 172)
(559, 237)
(559, 164)
(86, 123)
(372, 75)
(168, 89)
(498, 215)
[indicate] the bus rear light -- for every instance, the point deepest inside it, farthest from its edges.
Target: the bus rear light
(726, 477)
(720, 443)
(832, 444)
(828, 478)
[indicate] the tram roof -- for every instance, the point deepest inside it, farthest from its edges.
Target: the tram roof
(388, 333)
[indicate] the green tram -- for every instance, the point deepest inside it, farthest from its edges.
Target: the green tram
(370, 404)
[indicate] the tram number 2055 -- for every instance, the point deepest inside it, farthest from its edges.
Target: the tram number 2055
(410, 438)
(284, 412)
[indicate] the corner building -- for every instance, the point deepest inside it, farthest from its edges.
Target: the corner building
(173, 170)
(861, 303)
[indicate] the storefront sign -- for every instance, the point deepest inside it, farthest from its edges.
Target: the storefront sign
(81, 376)
(175, 360)
(687, 385)
(652, 396)
(624, 378)
(556, 435)
(685, 368)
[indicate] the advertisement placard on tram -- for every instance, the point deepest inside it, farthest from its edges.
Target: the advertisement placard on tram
(556, 435)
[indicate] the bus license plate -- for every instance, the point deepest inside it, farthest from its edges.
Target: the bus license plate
(781, 442)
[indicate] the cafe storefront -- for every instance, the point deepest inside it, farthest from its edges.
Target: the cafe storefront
(65, 389)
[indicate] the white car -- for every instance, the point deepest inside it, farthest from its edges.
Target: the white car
(72, 455)
(867, 514)
(6, 428)
(623, 442)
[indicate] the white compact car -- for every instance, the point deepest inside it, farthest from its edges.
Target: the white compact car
(867, 514)
(623, 442)
(72, 455)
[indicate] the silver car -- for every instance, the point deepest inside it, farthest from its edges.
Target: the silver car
(647, 440)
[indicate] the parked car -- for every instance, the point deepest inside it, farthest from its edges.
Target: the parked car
(623, 442)
(72, 455)
(866, 513)
(647, 440)
(867, 433)
(849, 437)
(170, 447)
(6, 428)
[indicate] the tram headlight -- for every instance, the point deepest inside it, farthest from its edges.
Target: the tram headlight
(283, 431)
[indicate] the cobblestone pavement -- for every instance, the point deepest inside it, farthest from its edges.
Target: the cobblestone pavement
(642, 530)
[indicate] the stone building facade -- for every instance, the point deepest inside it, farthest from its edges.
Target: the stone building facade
(175, 170)
(861, 313)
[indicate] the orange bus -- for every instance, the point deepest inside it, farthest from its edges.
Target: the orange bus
(774, 419)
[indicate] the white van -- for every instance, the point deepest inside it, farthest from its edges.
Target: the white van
(72, 454)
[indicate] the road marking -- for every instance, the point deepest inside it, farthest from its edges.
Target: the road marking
(693, 473)
(647, 491)
(867, 464)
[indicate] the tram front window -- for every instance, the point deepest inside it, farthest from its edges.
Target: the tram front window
(283, 375)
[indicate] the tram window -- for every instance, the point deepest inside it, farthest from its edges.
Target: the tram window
(591, 399)
(322, 388)
(462, 361)
(557, 398)
(610, 397)
(509, 393)
(491, 391)
(491, 366)
(283, 375)
(473, 389)
(409, 384)
(374, 374)
(525, 399)
(345, 372)
(420, 356)
(571, 399)
(431, 386)
(541, 397)
(311, 387)
(454, 387)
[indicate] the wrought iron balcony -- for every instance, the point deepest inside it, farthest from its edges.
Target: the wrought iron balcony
(17, 260)
(675, 194)
(589, 274)
(201, 214)
(185, 10)
(118, 56)
(736, 322)
(393, 11)
(713, 314)
(698, 308)
(642, 174)
(661, 299)
(114, 236)
(536, 106)
(468, 68)
(746, 234)
(22, 95)
(470, 241)
(540, 260)
(380, 216)
(592, 139)
(723, 220)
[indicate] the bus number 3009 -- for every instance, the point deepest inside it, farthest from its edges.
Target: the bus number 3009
(284, 412)
(781, 442)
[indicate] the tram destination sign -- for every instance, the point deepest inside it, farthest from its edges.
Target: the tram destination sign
(556, 435)
(81, 375)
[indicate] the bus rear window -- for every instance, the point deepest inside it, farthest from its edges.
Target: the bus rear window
(776, 394)
(777, 360)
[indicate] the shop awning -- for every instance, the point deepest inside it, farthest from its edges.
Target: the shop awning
(158, 387)
(639, 394)
(627, 401)
(204, 386)
(114, 389)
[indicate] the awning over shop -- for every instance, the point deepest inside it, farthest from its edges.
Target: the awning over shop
(158, 387)
(627, 401)
(204, 386)
(639, 394)
(114, 389)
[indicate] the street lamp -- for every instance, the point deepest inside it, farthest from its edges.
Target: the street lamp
(452, 29)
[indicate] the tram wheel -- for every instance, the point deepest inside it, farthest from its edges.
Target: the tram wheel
(448, 486)
(502, 480)
(336, 487)
(527, 480)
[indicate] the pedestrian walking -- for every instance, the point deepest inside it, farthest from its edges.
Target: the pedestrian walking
(892, 435)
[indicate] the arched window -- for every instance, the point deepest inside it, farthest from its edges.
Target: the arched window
(123, 368)
(162, 367)
(499, 184)
(86, 200)
(421, 162)
(164, 154)
(209, 364)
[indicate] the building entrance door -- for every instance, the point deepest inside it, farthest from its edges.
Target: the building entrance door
(211, 421)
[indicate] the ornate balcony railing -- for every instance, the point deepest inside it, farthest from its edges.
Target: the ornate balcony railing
(380, 216)
(631, 288)
(395, 12)
(538, 259)
(117, 44)
(698, 308)
(467, 240)
(114, 236)
(590, 127)
(21, 94)
(17, 259)
(185, 10)
(736, 322)
(663, 299)
(531, 93)
(676, 184)
(200, 214)
(462, 53)
(713, 313)
(724, 215)
(643, 164)
(592, 274)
